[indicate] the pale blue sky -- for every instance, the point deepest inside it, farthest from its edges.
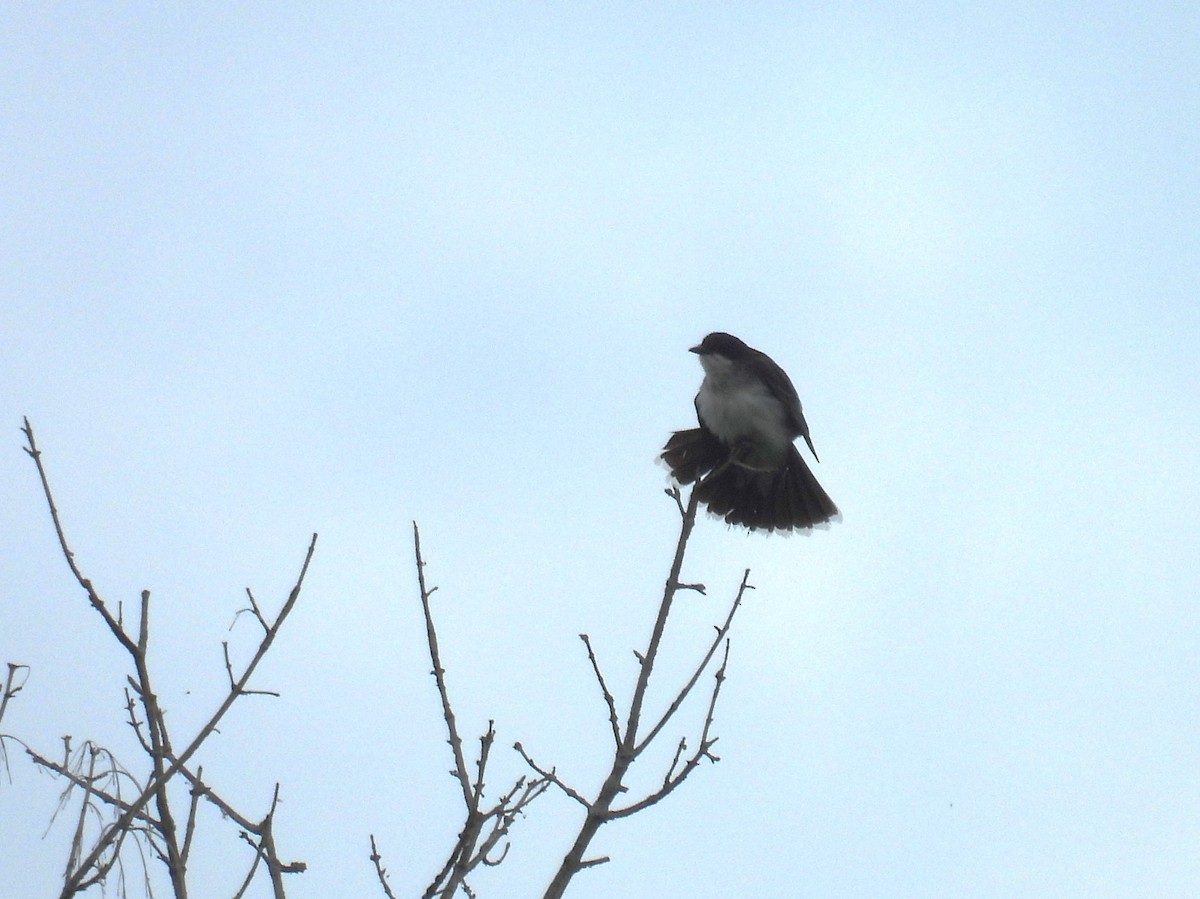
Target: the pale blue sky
(334, 268)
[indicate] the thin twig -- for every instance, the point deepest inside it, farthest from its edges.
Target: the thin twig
(77, 837)
(189, 829)
(551, 777)
(608, 697)
(249, 874)
(160, 749)
(151, 732)
(257, 611)
(471, 848)
(505, 812)
(201, 790)
(79, 780)
(703, 751)
(274, 867)
(11, 688)
(485, 749)
(107, 839)
(233, 681)
(629, 747)
(614, 784)
(380, 870)
(439, 674)
(682, 695)
(93, 597)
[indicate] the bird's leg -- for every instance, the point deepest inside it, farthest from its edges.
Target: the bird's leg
(740, 454)
(730, 460)
(739, 451)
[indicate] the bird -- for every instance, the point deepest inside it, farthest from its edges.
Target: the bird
(743, 456)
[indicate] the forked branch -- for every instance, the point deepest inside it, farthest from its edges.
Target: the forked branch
(628, 746)
(484, 826)
(87, 867)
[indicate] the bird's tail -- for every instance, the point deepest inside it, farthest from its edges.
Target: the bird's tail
(787, 498)
(693, 453)
(781, 500)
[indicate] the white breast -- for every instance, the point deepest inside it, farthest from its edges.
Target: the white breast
(736, 407)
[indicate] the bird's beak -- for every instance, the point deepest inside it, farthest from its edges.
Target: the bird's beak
(695, 349)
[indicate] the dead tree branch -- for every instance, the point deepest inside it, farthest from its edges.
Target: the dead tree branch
(484, 826)
(380, 870)
(629, 745)
(11, 689)
(148, 721)
(613, 718)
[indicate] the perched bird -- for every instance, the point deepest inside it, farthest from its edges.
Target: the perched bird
(748, 468)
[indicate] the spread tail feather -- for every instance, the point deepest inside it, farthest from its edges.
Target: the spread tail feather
(782, 500)
(692, 453)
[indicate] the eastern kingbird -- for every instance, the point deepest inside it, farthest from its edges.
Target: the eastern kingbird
(742, 454)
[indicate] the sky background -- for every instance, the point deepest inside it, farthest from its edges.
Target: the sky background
(266, 271)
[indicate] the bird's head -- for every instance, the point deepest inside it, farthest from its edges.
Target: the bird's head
(719, 343)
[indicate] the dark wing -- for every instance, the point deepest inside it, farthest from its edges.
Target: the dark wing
(781, 386)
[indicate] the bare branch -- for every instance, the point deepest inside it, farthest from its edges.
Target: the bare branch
(86, 772)
(249, 878)
(257, 611)
(261, 838)
(504, 813)
(11, 687)
(672, 780)
(608, 697)
(79, 880)
(493, 862)
(160, 749)
(89, 786)
(77, 837)
(438, 881)
(189, 830)
(682, 695)
(233, 680)
(267, 843)
(380, 870)
(156, 831)
(439, 674)
(679, 751)
(471, 848)
(614, 784)
(201, 790)
(551, 777)
(485, 748)
(660, 624)
(629, 747)
(93, 597)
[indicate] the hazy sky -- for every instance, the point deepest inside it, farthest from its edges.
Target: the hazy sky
(267, 271)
